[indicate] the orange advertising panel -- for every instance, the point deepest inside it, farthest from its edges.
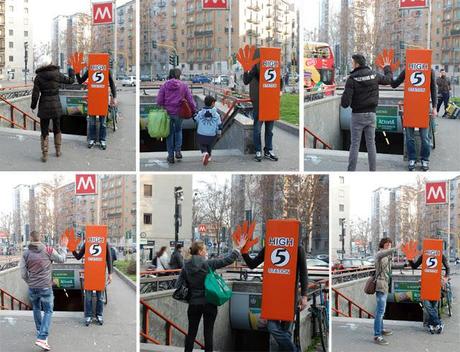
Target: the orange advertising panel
(280, 270)
(95, 257)
(431, 270)
(417, 88)
(269, 84)
(98, 84)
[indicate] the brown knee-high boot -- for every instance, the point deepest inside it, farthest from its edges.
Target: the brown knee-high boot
(44, 144)
(57, 143)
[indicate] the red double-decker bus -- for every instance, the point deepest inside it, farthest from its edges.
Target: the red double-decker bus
(319, 66)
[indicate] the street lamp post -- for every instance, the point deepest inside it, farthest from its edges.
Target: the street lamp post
(178, 198)
(26, 58)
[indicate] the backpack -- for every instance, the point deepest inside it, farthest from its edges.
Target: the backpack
(158, 123)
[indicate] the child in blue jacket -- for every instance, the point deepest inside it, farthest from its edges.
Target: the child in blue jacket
(208, 127)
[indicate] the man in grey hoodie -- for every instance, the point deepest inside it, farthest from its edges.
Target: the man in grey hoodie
(36, 267)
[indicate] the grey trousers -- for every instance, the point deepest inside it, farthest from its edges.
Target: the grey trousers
(362, 122)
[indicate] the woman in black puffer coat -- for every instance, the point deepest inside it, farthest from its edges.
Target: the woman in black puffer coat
(46, 94)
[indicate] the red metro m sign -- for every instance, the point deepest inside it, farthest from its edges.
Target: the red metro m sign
(102, 12)
(215, 4)
(413, 4)
(85, 184)
(436, 193)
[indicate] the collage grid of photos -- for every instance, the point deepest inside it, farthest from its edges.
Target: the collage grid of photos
(179, 175)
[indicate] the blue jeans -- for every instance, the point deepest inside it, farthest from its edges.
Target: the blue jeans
(426, 144)
(281, 332)
(258, 130)
(431, 308)
(379, 312)
(42, 298)
(174, 140)
(92, 128)
(89, 304)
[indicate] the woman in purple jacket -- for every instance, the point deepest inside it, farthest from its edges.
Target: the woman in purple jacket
(170, 97)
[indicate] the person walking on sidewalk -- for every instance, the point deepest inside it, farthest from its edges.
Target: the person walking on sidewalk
(99, 294)
(194, 273)
(36, 266)
(45, 93)
(177, 259)
(362, 94)
(444, 88)
(383, 268)
(171, 97)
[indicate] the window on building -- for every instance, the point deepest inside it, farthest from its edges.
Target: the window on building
(26, 33)
(11, 8)
(342, 180)
(11, 32)
(26, 10)
(148, 219)
(341, 207)
(11, 45)
(147, 190)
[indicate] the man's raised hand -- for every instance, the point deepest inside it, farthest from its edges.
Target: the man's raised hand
(246, 57)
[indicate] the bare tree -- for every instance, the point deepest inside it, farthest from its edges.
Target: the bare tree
(212, 206)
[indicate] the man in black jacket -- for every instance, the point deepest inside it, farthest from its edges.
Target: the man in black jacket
(425, 150)
(177, 260)
(89, 294)
(362, 94)
(435, 323)
(281, 330)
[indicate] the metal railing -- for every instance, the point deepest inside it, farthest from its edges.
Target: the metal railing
(313, 94)
(158, 280)
(5, 296)
(169, 326)
(350, 304)
(14, 92)
(9, 265)
(25, 116)
(345, 275)
(316, 139)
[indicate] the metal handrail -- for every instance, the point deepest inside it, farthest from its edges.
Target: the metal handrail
(169, 326)
(351, 304)
(13, 299)
(25, 116)
(316, 139)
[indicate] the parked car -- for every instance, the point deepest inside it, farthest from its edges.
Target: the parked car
(121, 77)
(222, 80)
(201, 79)
(146, 78)
(129, 81)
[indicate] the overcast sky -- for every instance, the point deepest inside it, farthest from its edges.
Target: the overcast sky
(10, 180)
(310, 7)
(362, 185)
(43, 11)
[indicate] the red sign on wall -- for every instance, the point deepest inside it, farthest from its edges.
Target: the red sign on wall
(412, 4)
(436, 193)
(85, 184)
(215, 4)
(103, 13)
(202, 228)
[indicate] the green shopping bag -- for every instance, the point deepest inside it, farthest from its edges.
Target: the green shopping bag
(158, 123)
(215, 289)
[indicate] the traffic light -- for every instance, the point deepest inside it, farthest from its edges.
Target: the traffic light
(154, 44)
(174, 60)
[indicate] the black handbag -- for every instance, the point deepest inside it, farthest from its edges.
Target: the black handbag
(182, 293)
